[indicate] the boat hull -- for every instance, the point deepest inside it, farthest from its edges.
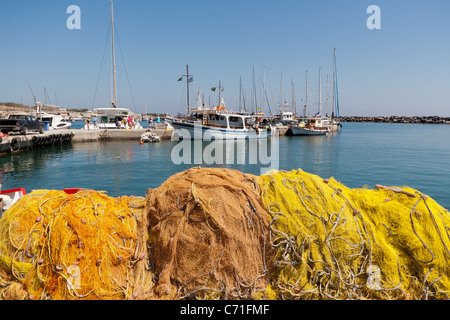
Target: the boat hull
(199, 132)
(10, 197)
(302, 131)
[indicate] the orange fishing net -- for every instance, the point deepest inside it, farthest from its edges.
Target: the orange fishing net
(81, 246)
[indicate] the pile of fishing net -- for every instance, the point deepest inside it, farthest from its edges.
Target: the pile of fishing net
(209, 236)
(211, 233)
(333, 242)
(63, 246)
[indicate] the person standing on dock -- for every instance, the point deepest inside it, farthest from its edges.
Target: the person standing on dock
(87, 123)
(94, 121)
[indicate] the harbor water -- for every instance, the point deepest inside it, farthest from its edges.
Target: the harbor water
(362, 154)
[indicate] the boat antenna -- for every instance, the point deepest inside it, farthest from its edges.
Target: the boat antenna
(114, 102)
(220, 89)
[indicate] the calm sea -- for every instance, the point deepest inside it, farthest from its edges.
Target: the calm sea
(411, 155)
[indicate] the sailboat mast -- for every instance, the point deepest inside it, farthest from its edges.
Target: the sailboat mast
(334, 84)
(254, 91)
(282, 98)
(240, 93)
(328, 97)
(320, 94)
(306, 96)
(293, 96)
(114, 102)
(263, 101)
(187, 83)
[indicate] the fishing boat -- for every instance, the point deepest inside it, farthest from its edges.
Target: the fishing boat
(10, 197)
(319, 124)
(111, 118)
(217, 122)
(312, 126)
(205, 123)
(55, 121)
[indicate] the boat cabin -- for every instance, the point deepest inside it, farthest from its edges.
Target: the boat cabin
(112, 115)
(317, 123)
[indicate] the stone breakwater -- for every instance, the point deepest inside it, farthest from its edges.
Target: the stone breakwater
(398, 119)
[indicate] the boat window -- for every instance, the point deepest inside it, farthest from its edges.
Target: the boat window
(236, 123)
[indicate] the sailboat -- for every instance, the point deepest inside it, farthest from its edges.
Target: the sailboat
(316, 125)
(335, 122)
(111, 118)
(319, 124)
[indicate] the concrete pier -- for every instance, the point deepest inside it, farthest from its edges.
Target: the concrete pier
(115, 134)
(18, 142)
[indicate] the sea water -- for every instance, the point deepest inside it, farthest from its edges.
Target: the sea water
(362, 154)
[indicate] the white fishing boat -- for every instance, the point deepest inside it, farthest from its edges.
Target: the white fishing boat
(111, 118)
(217, 123)
(207, 123)
(54, 121)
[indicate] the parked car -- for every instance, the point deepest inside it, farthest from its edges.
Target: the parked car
(21, 123)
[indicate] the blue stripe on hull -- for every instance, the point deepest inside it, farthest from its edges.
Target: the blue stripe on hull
(225, 133)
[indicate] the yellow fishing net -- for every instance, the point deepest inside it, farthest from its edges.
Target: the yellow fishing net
(81, 246)
(333, 242)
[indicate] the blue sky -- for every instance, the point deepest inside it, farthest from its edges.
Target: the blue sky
(401, 69)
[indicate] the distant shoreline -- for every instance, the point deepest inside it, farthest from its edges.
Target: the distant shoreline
(6, 108)
(398, 119)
